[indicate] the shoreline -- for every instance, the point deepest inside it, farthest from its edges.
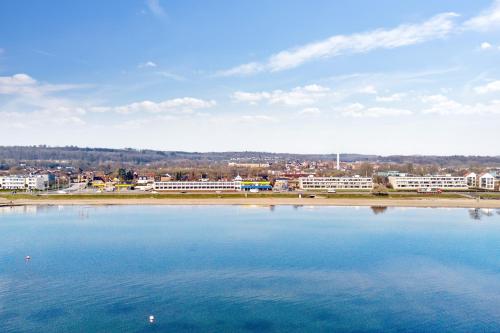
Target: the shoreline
(413, 202)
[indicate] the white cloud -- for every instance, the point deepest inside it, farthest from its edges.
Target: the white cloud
(242, 70)
(442, 105)
(369, 89)
(486, 46)
(16, 84)
(179, 105)
(156, 8)
(23, 84)
(359, 110)
(488, 88)
(391, 98)
(251, 98)
(297, 96)
(487, 20)
(30, 103)
(147, 64)
(57, 116)
(172, 76)
(310, 111)
(257, 118)
(437, 27)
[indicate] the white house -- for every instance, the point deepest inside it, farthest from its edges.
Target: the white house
(471, 179)
(486, 181)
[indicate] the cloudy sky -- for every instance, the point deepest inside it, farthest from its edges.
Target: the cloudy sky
(384, 77)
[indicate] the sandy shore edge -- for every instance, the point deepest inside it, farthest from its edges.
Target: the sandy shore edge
(421, 202)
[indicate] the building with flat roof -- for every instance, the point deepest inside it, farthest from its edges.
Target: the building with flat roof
(326, 183)
(39, 182)
(248, 185)
(249, 165)
(281, 184)
(197, 186)
(391, 173)
(443, 182)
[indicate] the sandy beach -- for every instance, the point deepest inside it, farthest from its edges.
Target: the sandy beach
(413, 202)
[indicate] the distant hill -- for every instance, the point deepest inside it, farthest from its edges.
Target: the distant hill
(71, 155)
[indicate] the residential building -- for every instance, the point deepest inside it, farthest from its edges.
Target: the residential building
(165, 178)
(391, 173)
(13, 182)
(471, 179)
(249, 165)
(281, 184)
(443, 182)
(144, 180)
(325, 183)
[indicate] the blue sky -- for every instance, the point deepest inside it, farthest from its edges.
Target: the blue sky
(383, 77)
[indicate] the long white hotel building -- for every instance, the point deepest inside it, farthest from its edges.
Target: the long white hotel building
(197, 186)
(325, 183)
(445, 182)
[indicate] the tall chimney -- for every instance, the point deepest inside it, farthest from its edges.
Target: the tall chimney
(338, 161)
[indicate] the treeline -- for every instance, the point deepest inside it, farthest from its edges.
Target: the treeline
(44, 156)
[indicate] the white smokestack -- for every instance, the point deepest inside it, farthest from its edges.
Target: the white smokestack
(338, 161)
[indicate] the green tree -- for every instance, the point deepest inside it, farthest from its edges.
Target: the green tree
(379, 189)
(122, 174)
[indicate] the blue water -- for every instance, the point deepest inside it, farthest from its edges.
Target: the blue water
(249, 269)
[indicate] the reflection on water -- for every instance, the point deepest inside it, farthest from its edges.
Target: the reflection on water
(378, 209)
(478, 213)
(231, 269)
(4, 210)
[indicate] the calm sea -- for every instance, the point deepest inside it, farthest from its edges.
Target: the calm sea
(249, 269)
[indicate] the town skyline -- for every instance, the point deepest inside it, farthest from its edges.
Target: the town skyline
(400, 80)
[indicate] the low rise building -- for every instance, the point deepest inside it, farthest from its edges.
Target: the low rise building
(443, 182)
(197, 186)
(13, 182)
(391, 173)
(325, 183)
(248, 185)
(145, 180)
(281, 184)
(471, 179)
(486, 181)
(248, 165)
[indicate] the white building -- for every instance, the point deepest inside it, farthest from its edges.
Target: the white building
(486, 181)
(325, 183)
(443, 182)
(23, 182)
(144, 180)
(197, 186)
(471, 179)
